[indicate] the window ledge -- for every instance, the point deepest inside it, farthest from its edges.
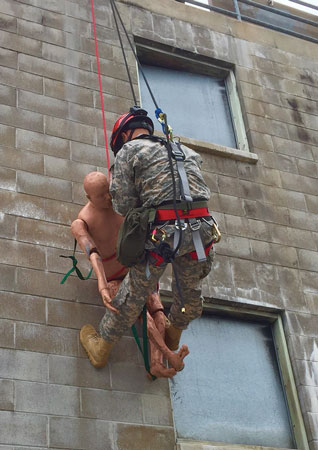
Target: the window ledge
(215, 149)
(219, 150)
(197, 445)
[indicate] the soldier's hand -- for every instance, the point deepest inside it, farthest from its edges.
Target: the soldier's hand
(108, 301)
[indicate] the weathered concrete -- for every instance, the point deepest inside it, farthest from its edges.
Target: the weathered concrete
(265, 200)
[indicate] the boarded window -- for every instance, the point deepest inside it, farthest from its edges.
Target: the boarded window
(230, 390)
(196, 105)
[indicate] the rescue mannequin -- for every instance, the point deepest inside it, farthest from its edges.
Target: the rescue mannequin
(142, 178)
(96, 230)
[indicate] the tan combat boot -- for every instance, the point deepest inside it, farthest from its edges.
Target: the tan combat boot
(172, 336)
(95, 346)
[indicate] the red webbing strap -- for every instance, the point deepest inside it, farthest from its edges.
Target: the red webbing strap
(206, 251)
(168, 214)
(100, 90)
(109, 258)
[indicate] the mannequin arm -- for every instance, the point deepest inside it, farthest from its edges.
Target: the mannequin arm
(80, 232)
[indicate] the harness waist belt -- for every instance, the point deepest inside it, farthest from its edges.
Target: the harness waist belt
(168, 214)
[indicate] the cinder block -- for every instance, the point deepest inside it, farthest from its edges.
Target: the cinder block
(88, 46)
(266, 212)
(68, 170)
(132, 378)
(70, 130)
(312, 302)
(42, 104)
(23, 255)
(25, 429)
(262, 125)
(66, 56)
(301, 104)
(47, 284)
(252, 91)
(66, 23)
(284, 197)
(110, 405)
(41, 32)
(77, 372)
(122, 89)
(7, 135)
(8, 58)
(313, 423)
(69, 92)
(302, 347)
(301, 324)
(8, 95)
(20, 44)
(17, 117)
(49, 145)
(16, 9)
(307, 373)
(299, 183)
(234, 246)
(61, 212)
(308, 260)
(292, 148)
(22, 307)
(6, 395)
(23, 366)
(114, 104)
(42, 398)
(73, 315)
(227, 204)
(6, 333)
(79, 195)
(259, 174)
(308, 396)
(21, 160)
(157, 410)
(23, 205)
(8, 179)
(136, 437)
(307, 168)
(7, 277)
(81, 433)
(292, 237)
(274, 254)
(7, 226)
(84, 114)
(303, 135)
(46, 339)
(44, 233)
(303, 220)
(8, 23)
(44, 186)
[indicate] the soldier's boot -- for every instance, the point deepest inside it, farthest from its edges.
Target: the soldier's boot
(95, 346)
(172, 336)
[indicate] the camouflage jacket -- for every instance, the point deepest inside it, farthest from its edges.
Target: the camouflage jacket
(142, 177)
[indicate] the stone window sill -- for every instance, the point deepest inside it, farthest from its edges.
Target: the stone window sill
(215, 149)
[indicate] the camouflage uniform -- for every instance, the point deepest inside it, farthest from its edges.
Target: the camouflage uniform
(142, 177)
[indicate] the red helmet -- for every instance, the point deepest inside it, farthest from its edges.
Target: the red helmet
(136, 118)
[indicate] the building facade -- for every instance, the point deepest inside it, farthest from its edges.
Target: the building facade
(245, 97)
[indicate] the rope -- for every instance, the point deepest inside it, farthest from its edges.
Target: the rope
(124, 54)
(134, 52)
(100, 90)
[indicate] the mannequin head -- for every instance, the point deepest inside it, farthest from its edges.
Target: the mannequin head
(96, 186)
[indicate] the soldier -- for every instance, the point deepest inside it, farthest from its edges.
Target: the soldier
(96, 230)
(142, 178)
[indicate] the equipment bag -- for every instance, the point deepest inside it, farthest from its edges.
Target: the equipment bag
(133, 234)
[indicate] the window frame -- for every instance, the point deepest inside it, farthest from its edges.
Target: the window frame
(274, 319)
(170, 58)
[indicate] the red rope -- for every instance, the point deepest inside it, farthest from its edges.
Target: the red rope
(100, 90)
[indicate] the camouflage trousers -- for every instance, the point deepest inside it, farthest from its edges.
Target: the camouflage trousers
(142, 279)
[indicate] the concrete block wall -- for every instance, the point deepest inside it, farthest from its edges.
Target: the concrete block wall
(51, 136)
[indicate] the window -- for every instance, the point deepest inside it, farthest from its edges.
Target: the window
(231, 390)
(200, 99)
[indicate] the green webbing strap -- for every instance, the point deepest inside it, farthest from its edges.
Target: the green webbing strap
(78, 272)
(144, 352)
